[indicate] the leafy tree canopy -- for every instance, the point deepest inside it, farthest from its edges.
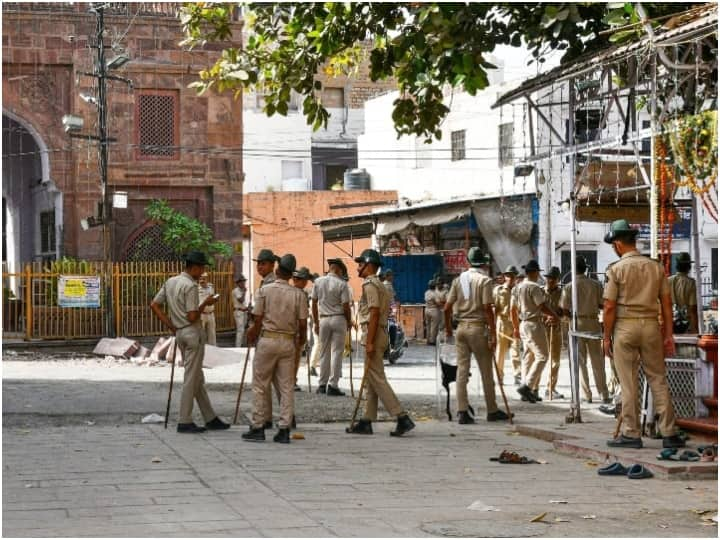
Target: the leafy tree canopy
(423, 46)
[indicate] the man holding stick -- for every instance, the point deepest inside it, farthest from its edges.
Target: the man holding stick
(180, 294)
(553, 331)
(505, 339)
(373, 310)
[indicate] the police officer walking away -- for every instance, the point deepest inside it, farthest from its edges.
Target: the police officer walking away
(590, 299)
(553, 330)
(683, 291)
(332, 320)
(503, 322)
(636, 287)
(432, 313)
(372, 310)
(279, 327)
(180, 295)
(528, 304)
(240, 309)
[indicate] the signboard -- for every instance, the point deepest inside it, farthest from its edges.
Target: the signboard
(455, 261)
(680, 229)
(79, 291)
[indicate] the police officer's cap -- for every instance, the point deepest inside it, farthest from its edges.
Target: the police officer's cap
(620, 229)
(369, 256)
(266, 255)
(196, 257)
(532, 266)
(287, 262)
(475, 256)
(240, 278)
(554, 272)
(683, 258)
(340, 263)
(432, 283)
(511, 270)
(302, 273)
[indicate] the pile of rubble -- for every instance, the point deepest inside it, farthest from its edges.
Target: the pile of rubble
(124, 349)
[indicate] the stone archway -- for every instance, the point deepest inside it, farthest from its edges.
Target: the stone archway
(32, 203)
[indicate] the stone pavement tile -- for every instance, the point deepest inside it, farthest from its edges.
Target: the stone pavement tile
(297, 532)
(204, 511)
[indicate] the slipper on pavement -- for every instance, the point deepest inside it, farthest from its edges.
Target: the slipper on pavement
(667, 454)
(687, 455)
(637, 472)
(614, 469)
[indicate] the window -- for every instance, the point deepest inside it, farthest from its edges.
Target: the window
(157, 124)
(47, 231)
(291, 169)
(333, 97)
(457, 145)
(505, 144)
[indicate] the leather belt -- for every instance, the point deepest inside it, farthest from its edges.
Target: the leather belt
(332, 315)
(276, 335)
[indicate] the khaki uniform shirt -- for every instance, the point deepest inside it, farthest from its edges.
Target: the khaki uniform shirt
(331, 292)
(431, 299)
(281, 306)
(180, 295)
(239, 298)
(635, 283)
(442, 295)
(527, 299)
(501, 299)
(374, 294)
(553, 301)
(590, 297)
(472, 308)
(683, 290)
(206, 292)
(390, 289)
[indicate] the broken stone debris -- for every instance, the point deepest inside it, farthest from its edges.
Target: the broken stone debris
(121, 347)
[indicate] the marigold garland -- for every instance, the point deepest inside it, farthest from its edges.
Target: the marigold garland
(694, 143)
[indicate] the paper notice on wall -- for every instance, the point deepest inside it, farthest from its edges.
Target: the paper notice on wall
(79, 291)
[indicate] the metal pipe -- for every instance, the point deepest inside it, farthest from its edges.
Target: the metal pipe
(654, 195)
(696, 255)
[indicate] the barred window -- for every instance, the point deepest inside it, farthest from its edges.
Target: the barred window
(505, 144)
(157, 124)
(47, 231)
(457, 144)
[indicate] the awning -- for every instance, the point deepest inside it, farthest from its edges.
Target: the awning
(423, 218)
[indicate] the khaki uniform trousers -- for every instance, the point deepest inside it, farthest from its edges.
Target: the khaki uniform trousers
(432, 324)
(240, 321)
(554, 340)
(593, 349)
(536, 353)
(376, 382)
(639, 342)
(208, 324)
(472, 338)
(191, 342)
(274, 363)
(315, 353)
(332, 346)
(504, 343)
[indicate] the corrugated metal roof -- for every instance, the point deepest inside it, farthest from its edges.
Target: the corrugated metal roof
(707, 20)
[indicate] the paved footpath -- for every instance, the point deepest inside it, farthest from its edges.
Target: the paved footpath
(139, 480)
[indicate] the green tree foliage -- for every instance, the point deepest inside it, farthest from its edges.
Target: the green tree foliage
(425, 47)
(183, 233)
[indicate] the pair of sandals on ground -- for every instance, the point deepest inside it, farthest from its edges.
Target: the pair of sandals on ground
(704, 453)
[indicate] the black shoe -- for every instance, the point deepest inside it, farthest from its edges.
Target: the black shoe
(404, 424)
(254, 435)
(499, 415)
(321, 389)
(282, 436)
(332, 391)
(268, 425)
(526, 393)
(625, 442)
(297, 388)
(465, 418)
(362, 427)
(612, 410)
(216, 423)
(190, 428)
(674, 441)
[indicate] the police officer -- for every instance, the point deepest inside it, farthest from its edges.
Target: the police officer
(265, 265)
(684, 293)
(332, 320)
(553, 331)
(441, 295)
(240, 309)
(590, 299)
(180, 294)
(503, 321)
(432, 313)
(527, 306)
(279, 327)
(206, 290)
(373, 309)
(301, 276)
(636, 287)
(471, 295)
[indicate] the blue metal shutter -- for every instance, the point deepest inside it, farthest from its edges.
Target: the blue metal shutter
(412, 273)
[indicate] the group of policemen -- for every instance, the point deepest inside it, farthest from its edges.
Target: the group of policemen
(491, 319)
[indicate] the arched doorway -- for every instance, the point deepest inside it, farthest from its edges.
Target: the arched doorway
(32, 204)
